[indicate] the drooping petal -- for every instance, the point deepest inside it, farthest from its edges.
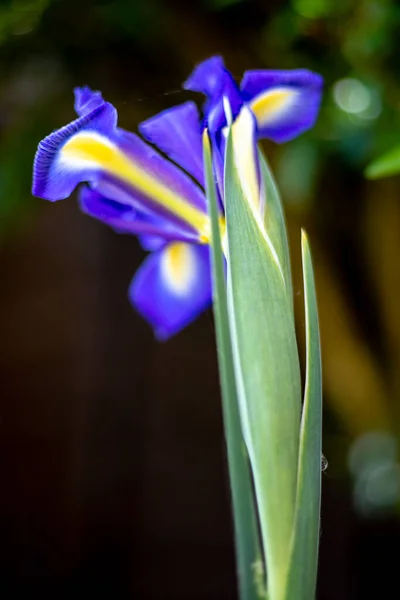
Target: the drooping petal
(122, 168)
(285, 103)
(177, 132)
(125, 219)
(86, 100)
(172, 287)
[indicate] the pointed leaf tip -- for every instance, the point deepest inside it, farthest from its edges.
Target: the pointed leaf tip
(302, 574)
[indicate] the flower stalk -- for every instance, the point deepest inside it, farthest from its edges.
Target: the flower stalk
(249, 557)
(284, 452)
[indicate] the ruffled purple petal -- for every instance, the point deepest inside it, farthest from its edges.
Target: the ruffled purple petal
(86, 100)
(121, 167)
(177, 132)
(172, 287)
(285, 103)
(52, 180)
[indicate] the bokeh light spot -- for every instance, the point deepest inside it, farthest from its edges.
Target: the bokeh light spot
(351, 95)
(373, 463)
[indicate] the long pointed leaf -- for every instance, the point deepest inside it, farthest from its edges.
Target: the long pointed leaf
(248, 547)
(303, 570)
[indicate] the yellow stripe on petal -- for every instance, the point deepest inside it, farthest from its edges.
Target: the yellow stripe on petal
(89, 149)
(178, 267)
(270, 105)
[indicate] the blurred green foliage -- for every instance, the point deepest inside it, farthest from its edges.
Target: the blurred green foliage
(386, 165)
(19, 17)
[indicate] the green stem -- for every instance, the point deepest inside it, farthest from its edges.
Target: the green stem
(250, 568)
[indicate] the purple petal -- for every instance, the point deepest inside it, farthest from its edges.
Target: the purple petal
(122, 167)
(207, 77)
(177, 132)
(218, 143)
(215, 81)
(151, 243)
(153, 232)
(215, 112)
(86, 100)
(172, 287)
(285, 103)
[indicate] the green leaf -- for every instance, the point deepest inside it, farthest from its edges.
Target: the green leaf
(274, 220)
(266, 365)
(384, 166)
(302, 575)
(248, 547)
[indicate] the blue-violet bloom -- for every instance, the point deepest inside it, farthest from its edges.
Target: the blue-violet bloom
(130, 186)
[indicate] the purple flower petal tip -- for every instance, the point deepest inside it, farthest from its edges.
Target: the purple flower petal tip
(215, 81)
(206, 77)
(86, 100)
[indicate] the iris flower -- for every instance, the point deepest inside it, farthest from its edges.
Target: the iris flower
(131, 186)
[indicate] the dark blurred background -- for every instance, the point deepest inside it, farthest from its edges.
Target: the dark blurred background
(113, 478)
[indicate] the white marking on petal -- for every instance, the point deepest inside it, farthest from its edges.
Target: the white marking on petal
(272, 105)
(227, 110)
(178, 268)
